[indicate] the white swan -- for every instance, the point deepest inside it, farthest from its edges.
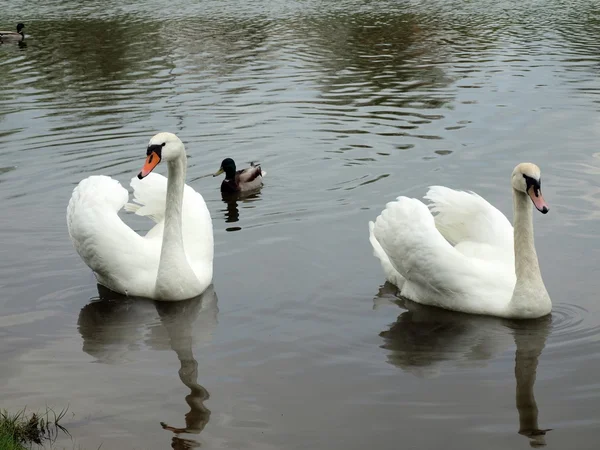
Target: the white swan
(174, 261)
(465, 257)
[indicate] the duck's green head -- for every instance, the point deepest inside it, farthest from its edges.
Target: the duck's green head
(20, 26)
(227, 166)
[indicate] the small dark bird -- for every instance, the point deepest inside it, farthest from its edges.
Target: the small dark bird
(19, 35)
(247, 179)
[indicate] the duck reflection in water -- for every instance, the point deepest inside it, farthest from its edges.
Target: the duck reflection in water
(113, 325)
(424, 338)
(232, 210)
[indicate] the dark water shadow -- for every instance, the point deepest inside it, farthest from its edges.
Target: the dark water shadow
(231, 212)
(530, 339)
(114, 325)
(14, 43)
(425, 337)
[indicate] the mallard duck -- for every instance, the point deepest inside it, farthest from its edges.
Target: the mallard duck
(243, 180)
(18, 35)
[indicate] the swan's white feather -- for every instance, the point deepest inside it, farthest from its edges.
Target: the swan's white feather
(465, 218)
(150, 193)
(391, 274)
(149, 196)
(122, 260)
(436, 272)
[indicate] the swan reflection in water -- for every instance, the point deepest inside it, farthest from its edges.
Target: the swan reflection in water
(232, 210)
(113, 326)
(424, 338)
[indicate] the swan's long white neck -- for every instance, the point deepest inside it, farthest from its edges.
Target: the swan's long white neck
(530, 295)
(174, 272)
(527, 266)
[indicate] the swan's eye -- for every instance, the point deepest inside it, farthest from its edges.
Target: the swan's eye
(154, 148)
(163, 144)
(532, 182)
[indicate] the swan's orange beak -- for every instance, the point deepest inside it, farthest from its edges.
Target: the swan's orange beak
(151, 162)
(535, 194)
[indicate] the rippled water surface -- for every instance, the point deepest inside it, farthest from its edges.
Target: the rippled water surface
(347, 104)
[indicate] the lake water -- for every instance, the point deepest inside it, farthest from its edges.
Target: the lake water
(347, 104)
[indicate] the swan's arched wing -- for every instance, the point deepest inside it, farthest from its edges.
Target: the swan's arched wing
(391, 274)
(407, 234)
(465, 216)
(117, 254)
(197, 232)
(150, 195)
